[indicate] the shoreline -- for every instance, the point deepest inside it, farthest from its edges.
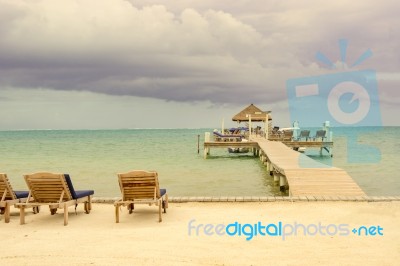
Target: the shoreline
(183, 199)
(139, 239)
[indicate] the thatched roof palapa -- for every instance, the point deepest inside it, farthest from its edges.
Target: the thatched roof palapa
(256, 114)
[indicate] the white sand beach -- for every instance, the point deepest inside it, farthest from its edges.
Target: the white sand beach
(95, 238)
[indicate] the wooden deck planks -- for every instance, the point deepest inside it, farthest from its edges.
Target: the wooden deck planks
(305, 176)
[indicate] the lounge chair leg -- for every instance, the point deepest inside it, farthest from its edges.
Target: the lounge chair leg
(90, 203)
(164, 204)
(131, 207)
(65, 214)
(7, 213)
(22, 215)
(116, 213)
(159, 212)
(87, 207)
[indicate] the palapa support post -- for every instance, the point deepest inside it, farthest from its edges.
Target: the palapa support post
(249, 126)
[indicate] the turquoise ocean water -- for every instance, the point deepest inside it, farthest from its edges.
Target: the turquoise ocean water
(94, 157)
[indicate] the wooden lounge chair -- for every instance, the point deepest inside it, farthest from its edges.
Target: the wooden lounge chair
(287, 135)
(275, 134)
(320, 134)
(140, 187)
(10, 197)
(304, 134)
(55, 190)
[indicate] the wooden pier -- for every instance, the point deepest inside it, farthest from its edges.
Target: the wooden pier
(294, 171)
(302, 175)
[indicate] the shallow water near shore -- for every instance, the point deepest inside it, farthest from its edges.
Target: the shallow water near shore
(94, 157)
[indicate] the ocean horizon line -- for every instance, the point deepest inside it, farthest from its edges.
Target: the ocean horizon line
(103, 129)
(163, 128)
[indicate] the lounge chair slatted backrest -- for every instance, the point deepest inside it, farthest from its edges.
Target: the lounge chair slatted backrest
(55, 190)
(287, 135)
(6, 191)
(304, 134)
(9, 197)
(320, 134)
(140, 186)
(48, 187)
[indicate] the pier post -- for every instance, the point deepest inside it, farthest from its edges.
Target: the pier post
(198, 144)
(207, 137)
(276, 177)
(282, 183)
(206, 149)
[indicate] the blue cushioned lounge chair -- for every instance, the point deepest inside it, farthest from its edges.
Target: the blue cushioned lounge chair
(55, 190)
(10, 197)
(227, 137)
(140, 187)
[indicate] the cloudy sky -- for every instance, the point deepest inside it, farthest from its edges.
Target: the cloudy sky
(181, 63)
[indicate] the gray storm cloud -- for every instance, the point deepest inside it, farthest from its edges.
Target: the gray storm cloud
(179, 53)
